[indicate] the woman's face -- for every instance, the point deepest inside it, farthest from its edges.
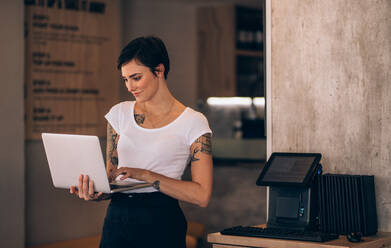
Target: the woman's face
(139, 80)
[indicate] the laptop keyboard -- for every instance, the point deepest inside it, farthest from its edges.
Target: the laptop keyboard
(279, 233)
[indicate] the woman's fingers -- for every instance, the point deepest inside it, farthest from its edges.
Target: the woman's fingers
(73, 190)
(85, 187)
(124, 171)
(91, 189)
(124, 177)
(81, 186)
(121, 171)
(116, 173)
(96, 196)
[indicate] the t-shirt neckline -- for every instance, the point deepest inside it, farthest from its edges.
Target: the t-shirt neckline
(133, 104)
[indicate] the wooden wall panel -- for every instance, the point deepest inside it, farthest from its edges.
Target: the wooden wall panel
(71, 78)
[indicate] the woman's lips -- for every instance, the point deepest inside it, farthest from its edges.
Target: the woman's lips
(136, 93)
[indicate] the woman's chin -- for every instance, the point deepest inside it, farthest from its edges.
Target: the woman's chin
(140, 99)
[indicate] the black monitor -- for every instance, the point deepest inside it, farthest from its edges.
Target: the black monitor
(289, 169)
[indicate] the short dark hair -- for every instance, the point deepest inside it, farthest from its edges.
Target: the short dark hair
(150, 51)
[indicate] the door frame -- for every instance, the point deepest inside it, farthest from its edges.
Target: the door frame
(268, 105)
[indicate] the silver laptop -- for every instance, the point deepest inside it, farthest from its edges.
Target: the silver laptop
(70, 155)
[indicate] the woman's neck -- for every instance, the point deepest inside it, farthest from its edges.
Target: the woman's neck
(161, 103)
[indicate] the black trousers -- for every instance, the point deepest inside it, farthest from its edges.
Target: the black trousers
(144, 220)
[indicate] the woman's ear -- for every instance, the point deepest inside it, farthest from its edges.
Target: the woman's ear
(160, 70)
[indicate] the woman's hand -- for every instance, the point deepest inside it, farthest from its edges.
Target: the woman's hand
(127, 172)
(86, 190)
(111, 174)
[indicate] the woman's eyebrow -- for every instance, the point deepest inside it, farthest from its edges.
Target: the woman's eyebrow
(134, 74)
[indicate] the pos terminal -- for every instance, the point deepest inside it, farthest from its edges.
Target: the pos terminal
(292, 195)
(292, 201)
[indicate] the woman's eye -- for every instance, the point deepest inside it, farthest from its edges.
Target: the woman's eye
(136, 78)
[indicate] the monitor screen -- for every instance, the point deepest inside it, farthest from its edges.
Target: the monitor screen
(288, 169)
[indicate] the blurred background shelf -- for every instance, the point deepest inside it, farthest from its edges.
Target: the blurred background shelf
(230, 51)
(250, 53)
(239, 149)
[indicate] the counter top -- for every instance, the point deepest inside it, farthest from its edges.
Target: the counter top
(381, 239)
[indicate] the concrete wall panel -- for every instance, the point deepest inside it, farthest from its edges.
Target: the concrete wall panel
(331, 86)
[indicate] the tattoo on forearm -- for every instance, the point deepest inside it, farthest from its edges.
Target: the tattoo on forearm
(202, 144)
(114, 160)
(140, 118)
(113, 150)
(112, 141)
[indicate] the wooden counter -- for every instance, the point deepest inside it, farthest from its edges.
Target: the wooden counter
(382, 239)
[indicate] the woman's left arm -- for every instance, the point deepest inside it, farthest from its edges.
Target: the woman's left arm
(199, 190)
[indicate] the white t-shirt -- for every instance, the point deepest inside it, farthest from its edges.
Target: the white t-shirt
(164, 150)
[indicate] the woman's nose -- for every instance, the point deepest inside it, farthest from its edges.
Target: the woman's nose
(130, 86)
(133, 87)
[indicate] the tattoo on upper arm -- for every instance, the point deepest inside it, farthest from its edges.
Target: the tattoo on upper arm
(202, 144)
(193, 155)
(112, 141)
(206, 144)
(140, 118)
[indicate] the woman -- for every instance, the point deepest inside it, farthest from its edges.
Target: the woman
(151, 139)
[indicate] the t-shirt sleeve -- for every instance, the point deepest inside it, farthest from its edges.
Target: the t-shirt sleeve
(113, 117)
(199, 127)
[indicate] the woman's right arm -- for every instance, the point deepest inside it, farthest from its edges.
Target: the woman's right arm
(111, 152)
